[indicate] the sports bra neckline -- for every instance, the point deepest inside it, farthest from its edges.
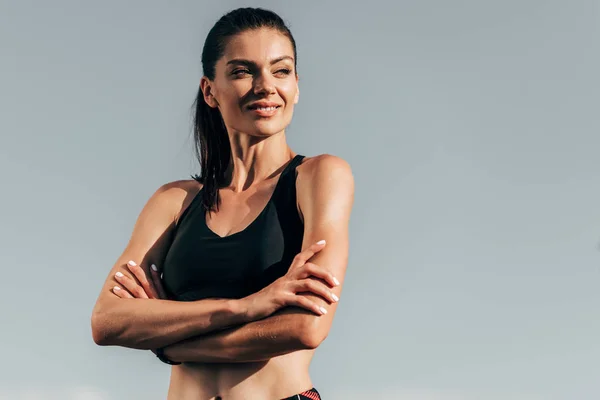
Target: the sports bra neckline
(255, 221)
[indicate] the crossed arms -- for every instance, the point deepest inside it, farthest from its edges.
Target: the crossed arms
(223, 330)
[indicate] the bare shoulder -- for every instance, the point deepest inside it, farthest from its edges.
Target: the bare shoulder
(322, 169)
(176, 196)
(177, 189)
(325, 188)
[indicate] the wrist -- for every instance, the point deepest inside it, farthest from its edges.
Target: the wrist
(162, 354)
(240, 308)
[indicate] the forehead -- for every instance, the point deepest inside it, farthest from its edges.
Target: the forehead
(258, 45)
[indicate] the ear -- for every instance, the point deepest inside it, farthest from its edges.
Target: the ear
(297, 91)
(207, 88)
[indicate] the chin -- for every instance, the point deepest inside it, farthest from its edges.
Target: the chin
(267, 128)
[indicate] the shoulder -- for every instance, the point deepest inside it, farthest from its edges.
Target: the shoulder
(325, 187)
(174, 197)
(178, 188)
(323, 169)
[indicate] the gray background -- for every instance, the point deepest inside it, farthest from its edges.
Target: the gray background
(469, 126)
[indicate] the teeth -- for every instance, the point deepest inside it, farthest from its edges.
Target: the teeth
(266, 108)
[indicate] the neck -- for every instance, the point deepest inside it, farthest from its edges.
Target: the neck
(255, 159)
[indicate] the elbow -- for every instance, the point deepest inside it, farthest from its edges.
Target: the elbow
(98, 334)
(106, 332)
(101, 332)
(312, 334)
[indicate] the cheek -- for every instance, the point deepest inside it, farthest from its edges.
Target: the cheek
(230, 102)
(288, 92)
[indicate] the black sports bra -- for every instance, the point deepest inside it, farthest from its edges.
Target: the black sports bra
(201, 264)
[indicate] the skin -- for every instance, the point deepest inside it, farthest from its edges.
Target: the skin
(262, 344)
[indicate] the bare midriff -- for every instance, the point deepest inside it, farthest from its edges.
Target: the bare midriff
(275, 379)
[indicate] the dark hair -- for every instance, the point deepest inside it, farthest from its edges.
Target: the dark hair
(212, 146)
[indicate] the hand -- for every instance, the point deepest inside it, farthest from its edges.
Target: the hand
(286, 291)
(139, 287)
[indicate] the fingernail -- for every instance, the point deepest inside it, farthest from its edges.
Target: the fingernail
(131, 263)
(154, 267)
(119, 275)
(334, 297)
(116, 288)
(323, 310)
(321, 242)
(337, 283)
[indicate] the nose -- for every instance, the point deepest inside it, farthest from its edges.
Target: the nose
(264, 84)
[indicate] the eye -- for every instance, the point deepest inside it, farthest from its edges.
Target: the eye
(284, 71)
(240, 72)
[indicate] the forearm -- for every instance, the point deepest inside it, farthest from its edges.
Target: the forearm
(153, 323)
(283, 332)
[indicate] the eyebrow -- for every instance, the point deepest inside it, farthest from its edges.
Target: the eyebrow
(248, 62)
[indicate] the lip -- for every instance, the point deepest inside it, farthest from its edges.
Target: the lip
(254, 108)
(263, 103)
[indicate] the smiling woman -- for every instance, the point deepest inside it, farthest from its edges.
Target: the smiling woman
(233, 277)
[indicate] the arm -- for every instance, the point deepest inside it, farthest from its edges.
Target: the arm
(153, 323)
(325, 196)
(254, 341)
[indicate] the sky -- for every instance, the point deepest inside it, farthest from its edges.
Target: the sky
(470, 130)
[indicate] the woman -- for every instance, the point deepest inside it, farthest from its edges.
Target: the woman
(233, 277)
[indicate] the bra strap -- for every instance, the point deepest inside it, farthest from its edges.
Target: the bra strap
(295, 162)
(287, 180)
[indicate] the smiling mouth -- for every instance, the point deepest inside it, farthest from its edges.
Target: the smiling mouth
(265, 108)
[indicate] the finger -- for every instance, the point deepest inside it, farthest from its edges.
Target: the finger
(162, 293)
(132, 286)
(142, 278)
(124, 294)
(305, 255)
(312, 269)
(306, 303)
(316, 287)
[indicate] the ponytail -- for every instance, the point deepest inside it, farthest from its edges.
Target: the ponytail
(213, 150)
